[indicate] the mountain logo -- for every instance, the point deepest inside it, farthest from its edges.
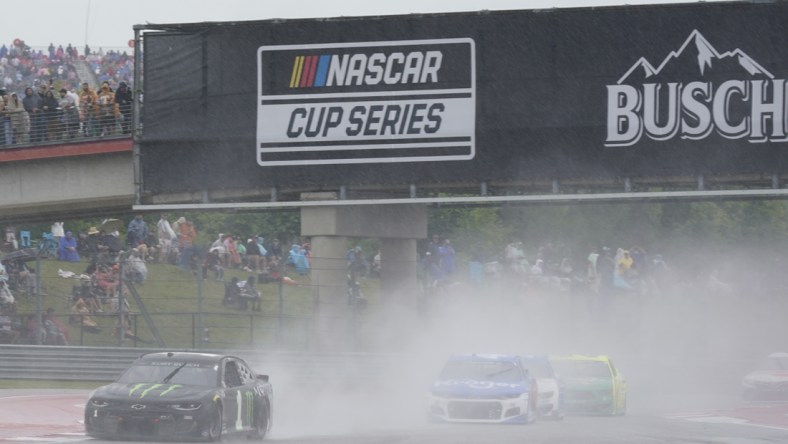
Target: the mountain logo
(694, 91)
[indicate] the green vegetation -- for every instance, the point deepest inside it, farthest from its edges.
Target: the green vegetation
(677, 230)
(170, 295)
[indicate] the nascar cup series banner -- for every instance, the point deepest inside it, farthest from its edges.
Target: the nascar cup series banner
(506, 96)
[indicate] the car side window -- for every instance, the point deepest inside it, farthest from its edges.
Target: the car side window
(231, 376)
(246, 374)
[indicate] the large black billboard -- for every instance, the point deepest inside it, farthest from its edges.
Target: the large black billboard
(595, 93)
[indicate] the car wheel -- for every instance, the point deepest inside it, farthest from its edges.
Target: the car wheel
(261, 423)
(215, 425)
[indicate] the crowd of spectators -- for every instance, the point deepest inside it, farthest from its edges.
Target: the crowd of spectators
(45, 97)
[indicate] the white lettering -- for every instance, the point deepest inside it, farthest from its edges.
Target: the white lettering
(624, 127)
(754, 109)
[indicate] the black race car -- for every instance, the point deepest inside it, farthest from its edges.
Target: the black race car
(179, 395)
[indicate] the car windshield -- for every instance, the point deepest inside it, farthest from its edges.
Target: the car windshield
(778, 363)
(538, 367)
(497, 371)
(576, 368)
(171, 372)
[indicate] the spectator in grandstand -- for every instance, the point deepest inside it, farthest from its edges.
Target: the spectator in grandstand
(6, 134)
(297, 258)
(606, 268)
(7, 301)
(87, 293)
(137, 231)
(107, 111)
(67, 248)
(51, 115)
(124, 100)
(69, 116)
(57, 333)
(186, 235)
(167, 239)
(111, 242)
(240, 247)
(250, 294)
(232, 294)
(88, 109)
(448, 261)
(20, 122)
(253, 254)
(233, 257)
(213, 263)
(9, 327)
(135, 269)
(218, 247)
(275, 253)
(80, 314)
(376, 266)
(356, 262)
(107, 279)
(20, 276)
(32, 104)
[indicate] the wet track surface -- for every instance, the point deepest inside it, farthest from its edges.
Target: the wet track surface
(56, 416)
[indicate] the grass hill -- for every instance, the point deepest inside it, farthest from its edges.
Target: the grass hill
(170, 295)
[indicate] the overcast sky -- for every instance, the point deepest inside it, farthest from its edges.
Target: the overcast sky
(102, 23)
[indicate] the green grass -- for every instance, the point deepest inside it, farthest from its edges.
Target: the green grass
(170, 295)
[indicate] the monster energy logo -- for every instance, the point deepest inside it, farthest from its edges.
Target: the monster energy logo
(144, 392)
(249, 406)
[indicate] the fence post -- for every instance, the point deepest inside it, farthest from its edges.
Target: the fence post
(39, 321)
(251, 330)
(280, 323)
(200, 314)
(121, 306)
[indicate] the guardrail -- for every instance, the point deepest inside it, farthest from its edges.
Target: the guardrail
(64, 363)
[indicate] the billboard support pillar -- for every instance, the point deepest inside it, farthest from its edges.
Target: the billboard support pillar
(399, 227)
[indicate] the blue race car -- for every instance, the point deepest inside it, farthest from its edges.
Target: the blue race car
(484, 388)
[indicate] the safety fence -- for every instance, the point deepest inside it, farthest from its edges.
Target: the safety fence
(107, 363)
(62, 125)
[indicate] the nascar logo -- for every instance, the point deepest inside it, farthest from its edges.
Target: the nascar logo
(361, 69)
(366, 102)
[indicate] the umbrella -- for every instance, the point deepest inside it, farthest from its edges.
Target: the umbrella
(110, 225)
(27, 254)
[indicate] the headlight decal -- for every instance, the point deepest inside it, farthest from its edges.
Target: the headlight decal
(187, 406)
(98, 403)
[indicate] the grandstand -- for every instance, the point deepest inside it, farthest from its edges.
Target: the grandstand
(22, 65)
(58, 67)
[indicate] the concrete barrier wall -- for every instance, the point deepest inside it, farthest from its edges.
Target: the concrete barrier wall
(107, 363)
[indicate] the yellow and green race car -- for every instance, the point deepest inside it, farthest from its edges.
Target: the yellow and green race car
(593, 385)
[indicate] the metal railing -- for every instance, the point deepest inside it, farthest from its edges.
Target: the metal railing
(20, 128)
(22, 362)
(221, 330)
